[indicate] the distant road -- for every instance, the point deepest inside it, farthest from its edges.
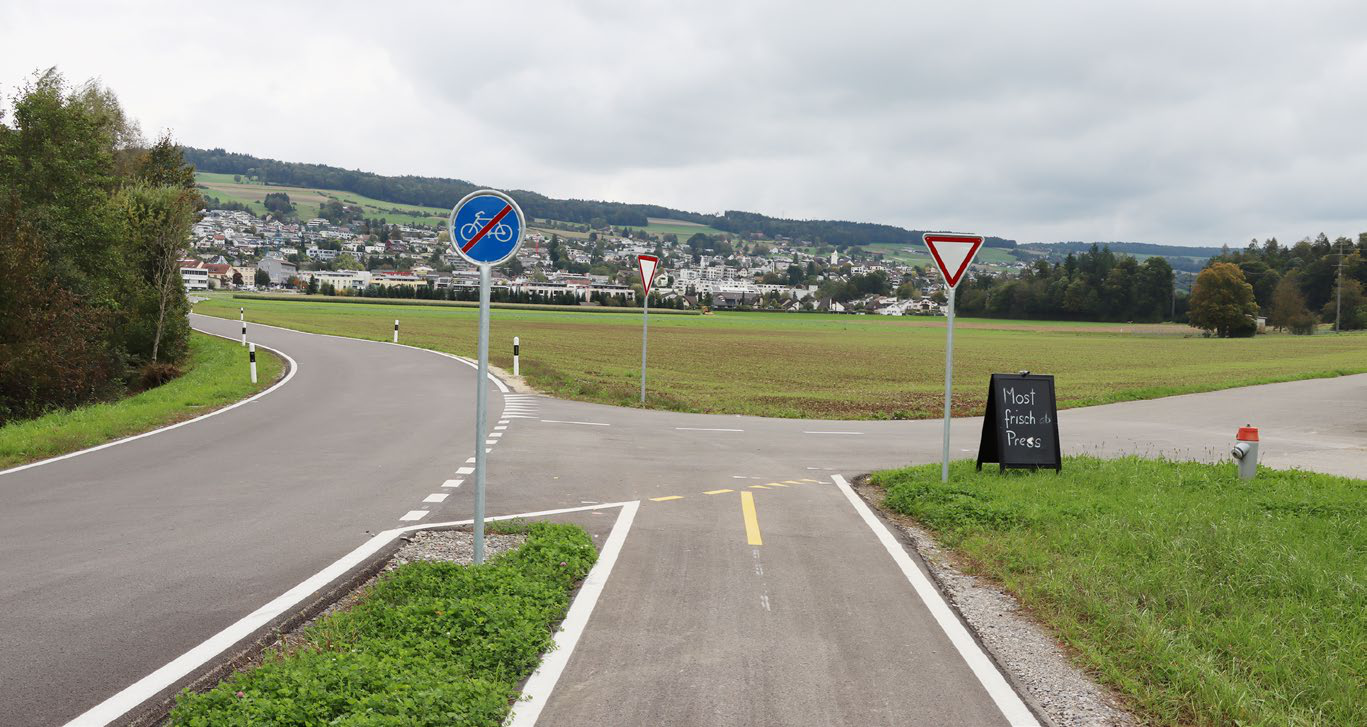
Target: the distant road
(114, 563)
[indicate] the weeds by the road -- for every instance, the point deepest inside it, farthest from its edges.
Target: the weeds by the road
(217, 375)
(431, 644)
(1205, 599)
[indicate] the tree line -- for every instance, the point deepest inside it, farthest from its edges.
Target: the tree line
(1096, 285)
(93, 223)
(1295, 287)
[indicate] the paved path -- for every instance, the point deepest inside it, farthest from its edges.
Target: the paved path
(113, 563)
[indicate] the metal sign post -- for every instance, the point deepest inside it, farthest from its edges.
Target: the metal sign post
(949, 384)
(486, 229)
(647, 264)
(952, 254)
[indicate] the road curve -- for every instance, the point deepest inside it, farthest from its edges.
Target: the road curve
(117, 561)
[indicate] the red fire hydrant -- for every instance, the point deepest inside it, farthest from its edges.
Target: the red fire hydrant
(1246, 451)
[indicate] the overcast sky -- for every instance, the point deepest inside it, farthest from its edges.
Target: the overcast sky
(1176, 122)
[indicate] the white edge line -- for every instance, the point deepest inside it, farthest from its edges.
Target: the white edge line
(832, 432)
(502, 387)
(294, 368)
(706, 429)
(537, 692)
(588, 424)
(147, 687)
(1006, 698)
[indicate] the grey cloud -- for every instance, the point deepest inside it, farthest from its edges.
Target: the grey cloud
(1179, 122)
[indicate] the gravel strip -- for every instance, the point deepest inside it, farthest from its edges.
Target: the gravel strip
(1030, 655)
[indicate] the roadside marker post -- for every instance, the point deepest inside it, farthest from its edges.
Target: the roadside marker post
(244, 331)
(647, 264)
(251, 356)
(396, 330)
(486, 228)
(516, 350)
(952, 254)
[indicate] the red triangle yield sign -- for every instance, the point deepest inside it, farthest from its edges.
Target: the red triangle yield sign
(952, 253)
(647, 263)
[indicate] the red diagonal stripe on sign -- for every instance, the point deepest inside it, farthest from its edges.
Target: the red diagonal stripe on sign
(487, 226)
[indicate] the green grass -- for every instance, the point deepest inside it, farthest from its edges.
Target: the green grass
(361, 300)
(217, 375)
(307, 200)
(430, 644)
(683, 230)
(1203, 599)
(828, 366)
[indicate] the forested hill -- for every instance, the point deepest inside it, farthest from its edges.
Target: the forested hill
(443, 192)
(1129, 248)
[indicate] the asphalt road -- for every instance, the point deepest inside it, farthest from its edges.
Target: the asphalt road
(115, 562)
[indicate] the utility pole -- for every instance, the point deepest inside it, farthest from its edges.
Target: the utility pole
(1338, 306)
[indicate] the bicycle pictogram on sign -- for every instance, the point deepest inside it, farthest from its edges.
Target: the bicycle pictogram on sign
(486, 227)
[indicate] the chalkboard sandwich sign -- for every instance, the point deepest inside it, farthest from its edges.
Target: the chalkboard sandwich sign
(1020, 428)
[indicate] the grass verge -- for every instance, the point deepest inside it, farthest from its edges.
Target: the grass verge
(1204, 599)
(430, 644)
(217, 375)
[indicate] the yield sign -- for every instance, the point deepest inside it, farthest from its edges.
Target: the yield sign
(648, 264)
(952, 253)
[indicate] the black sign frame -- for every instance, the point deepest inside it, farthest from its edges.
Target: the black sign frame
(993, 445)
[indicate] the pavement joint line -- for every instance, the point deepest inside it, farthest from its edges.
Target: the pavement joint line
(149, 686)
(587, 424)
(414, 515)
(705, 429)
(294, 368)
(537, 691)
(717, 492)
(666, 498)
(436, 497)
(1006, 698)
(452, 483)
(747, 509)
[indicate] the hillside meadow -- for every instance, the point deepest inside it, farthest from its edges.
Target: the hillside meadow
(826, 366)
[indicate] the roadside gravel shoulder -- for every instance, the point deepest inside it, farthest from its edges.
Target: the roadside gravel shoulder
(1033, 659)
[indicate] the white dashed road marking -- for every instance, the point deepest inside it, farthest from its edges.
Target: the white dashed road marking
(436, 497)
(414, 515)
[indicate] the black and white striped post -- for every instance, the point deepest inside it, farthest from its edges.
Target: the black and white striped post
(251, 356)
(396, 330)
(244, 333)
(516, 351)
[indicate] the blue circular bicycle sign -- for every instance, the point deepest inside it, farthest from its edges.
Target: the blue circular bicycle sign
(486, 227)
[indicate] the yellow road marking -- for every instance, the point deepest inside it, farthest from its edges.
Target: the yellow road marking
(777, 484)
(792, 482)
(815, 482)
(662, 499)
(717, 492)
(747, 509)
(759, 487)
